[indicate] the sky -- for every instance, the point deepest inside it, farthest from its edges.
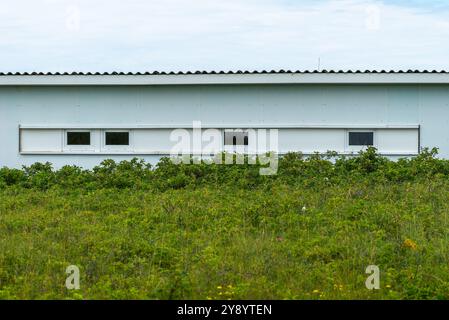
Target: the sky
(183, 35)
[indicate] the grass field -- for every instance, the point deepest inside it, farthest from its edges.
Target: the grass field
(206, 232)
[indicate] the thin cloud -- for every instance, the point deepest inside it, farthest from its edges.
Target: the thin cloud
(136, 35)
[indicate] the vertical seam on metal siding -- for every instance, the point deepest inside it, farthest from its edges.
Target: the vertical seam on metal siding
(419, 139)
(20, 140)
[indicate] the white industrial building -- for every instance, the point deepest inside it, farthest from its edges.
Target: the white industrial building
(83, 118)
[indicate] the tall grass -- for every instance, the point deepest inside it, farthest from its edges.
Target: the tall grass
(225, 232)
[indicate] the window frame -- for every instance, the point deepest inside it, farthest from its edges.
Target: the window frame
(245, 137)
(116, 148)
(353, 148)
(240, 148)
(79, 148)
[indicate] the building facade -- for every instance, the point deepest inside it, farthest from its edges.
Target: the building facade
(81, 119)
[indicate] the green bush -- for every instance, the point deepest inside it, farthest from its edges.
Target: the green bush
(294, 168)
(9, 177)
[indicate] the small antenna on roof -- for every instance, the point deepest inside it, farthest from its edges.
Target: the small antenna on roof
(319, 63)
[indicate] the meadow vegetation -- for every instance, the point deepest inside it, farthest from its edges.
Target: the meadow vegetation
(205, 231)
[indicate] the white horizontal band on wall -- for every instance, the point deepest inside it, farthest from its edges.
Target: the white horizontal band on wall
(156, 141)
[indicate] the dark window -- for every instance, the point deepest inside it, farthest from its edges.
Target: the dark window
(237, 138)
(78, 138)
(117, 138)
(361, 138)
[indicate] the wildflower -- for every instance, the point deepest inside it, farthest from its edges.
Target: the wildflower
(316, 291)
(304, 209)
(338, 286)
(219, 287)
(388, 286)
(408, 243)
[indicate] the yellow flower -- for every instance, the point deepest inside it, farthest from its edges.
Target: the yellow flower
(339, 286)
(316, 291)
(219, 287)
(388, 286)
(408, 243)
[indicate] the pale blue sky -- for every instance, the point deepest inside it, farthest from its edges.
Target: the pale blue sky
(172, 35)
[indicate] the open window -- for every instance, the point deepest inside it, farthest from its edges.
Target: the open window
(236, 138)
(361, 138)
(79, 140)
(115, 138)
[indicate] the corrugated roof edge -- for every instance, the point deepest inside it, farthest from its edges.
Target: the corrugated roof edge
(152, 73)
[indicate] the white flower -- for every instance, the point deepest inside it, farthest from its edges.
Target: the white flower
(304, 209)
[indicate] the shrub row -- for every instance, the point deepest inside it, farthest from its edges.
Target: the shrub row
(294, 168)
